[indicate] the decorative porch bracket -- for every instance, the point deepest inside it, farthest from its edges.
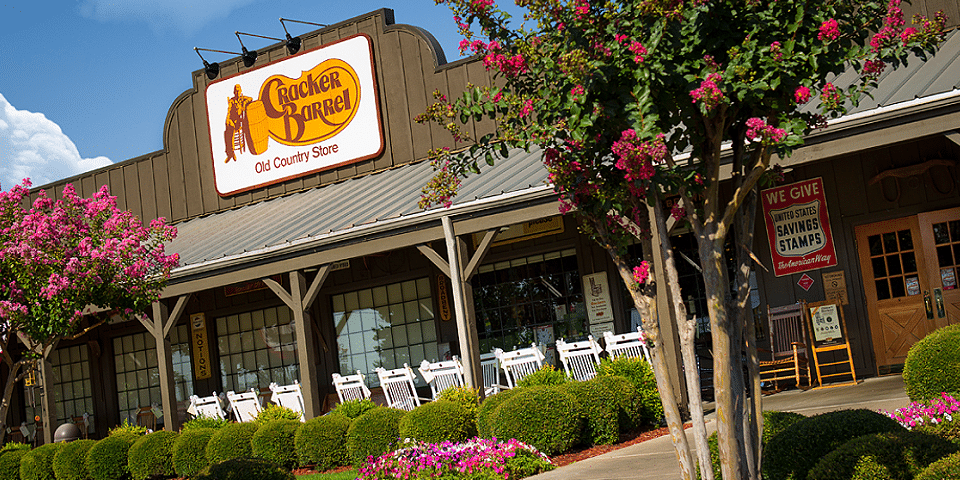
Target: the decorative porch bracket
(463, 293)
(299, 299)
(159, 327)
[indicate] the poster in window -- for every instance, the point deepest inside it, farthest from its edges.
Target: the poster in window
(826, 323)
(798, 227)
(949, 278)
(913, 285)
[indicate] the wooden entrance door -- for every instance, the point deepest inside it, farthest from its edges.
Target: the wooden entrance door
(896, 283)
(940, 232)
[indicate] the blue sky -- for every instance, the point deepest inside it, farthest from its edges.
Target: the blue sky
(84, 83)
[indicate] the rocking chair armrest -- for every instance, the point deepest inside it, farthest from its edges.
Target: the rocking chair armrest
(798, 344)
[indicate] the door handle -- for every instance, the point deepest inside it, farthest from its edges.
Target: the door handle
(928, 304)
(938, 297)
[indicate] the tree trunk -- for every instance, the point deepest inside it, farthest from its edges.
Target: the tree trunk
(687, 332)
(753, 429)
(8, 396)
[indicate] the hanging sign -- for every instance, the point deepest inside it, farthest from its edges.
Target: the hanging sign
(798, 227)
(597, 297)
(201, 352)
(306, 113)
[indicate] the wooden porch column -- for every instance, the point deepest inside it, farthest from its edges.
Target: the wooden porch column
(668, 324)
(159, 327)
(48, 413)
(459, 269)
(299, 299)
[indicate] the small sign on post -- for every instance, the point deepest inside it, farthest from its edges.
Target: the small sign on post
(201, 352)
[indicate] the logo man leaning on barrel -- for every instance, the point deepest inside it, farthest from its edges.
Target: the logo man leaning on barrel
(233, 135)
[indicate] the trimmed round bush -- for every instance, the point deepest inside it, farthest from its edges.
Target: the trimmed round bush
(600, 404)
(902, 455)
(70, 463)
(37, 464)
(439, 421)
(204, 422)
(947, 468)
(107, 460)
(373, 433)
(274, 441)
(354, 408)
(245, 468)
(466, 396)
(231, 441)
(275, 412)
(321, 442)
(488, 408)
(547, 418)
(190, 451)
(547, 375)
(774, 422)
(947, 429)
(933, 365)
(14, 446)
(152, 455)
(795, 450)
(10, 464)
(640, 374)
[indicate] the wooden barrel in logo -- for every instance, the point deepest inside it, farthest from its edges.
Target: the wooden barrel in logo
(255, 127)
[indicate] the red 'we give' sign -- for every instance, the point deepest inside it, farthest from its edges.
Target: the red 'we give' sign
(798, 227)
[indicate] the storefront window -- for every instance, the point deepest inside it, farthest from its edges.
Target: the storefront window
(72, 392)
(257, 348)
(532, 299)
(385, 327)
(138, 377)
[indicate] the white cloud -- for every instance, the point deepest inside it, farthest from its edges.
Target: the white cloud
(34, 147)
(188, 16)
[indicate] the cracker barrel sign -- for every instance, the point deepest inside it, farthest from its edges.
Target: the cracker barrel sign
(306, 113)
(798, 227)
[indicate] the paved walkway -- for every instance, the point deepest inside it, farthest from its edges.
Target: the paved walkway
(656, 459)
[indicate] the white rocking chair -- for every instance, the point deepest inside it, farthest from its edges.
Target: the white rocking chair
(630, 344)
(580, 359)
(398, 388)
(490, 366)
(442, 375)
(206, 407)
(245, 405)
(519, 363)
(350, 387)
(288, 396)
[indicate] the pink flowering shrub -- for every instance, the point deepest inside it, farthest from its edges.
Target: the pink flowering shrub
(479, 459)
(916, 414)
(58, 257)
(709, 94)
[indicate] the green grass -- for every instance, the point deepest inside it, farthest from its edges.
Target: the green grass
(348, 475)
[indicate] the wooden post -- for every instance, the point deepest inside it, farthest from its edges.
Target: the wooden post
(159, 327)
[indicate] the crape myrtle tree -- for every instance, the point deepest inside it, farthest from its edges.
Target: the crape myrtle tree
(634, 102)
(66, 266)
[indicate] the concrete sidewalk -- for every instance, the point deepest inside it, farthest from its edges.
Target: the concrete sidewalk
(656, 459)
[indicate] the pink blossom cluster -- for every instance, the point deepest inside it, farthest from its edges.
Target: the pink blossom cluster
(677, 212)
(709, 92)
(775, 51)
(510, 66)
(58, 256)
(757, 128)
(636, 158)
(581, 8)
(801, 95)
(473, 459)
(873, 68)
(641, 272)
(638, 49)
(479, 6)
(831, 97)
(829, 30)
(892, 27)
(916, 414)
(443, 186)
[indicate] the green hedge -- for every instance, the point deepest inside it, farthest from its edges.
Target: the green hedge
(548, 418)
(546, 375)
(274, 441)
(321, 442)
(439, 421)
(640, 374)
(899, 456)
(947, 468)
(152, 455)
(354, 408)
(601, 405)
(276, 412)
(245, 468)
(37, 464)
(933, 365)
(107, 460)
(774, 422)
(793, 452)
(373, 433)
(10, 464)
(190, 450)
(466, 396)
(487, 410)
(947, 429)
(231, 441)
(204, 422)
(70, 463)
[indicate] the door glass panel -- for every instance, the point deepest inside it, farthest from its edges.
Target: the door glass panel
(879, 268)
(893, 265)
(897, 288)
(940, 233)
(906, 240)
(883, 290)
(890, 242)
(955, 231)
(944, 256)
(909, 262)
(876, 246)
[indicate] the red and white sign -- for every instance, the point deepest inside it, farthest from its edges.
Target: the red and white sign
(805, 282)
(798, 227)
(310, 112)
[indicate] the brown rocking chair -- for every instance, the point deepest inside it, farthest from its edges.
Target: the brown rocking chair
(787, 357)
